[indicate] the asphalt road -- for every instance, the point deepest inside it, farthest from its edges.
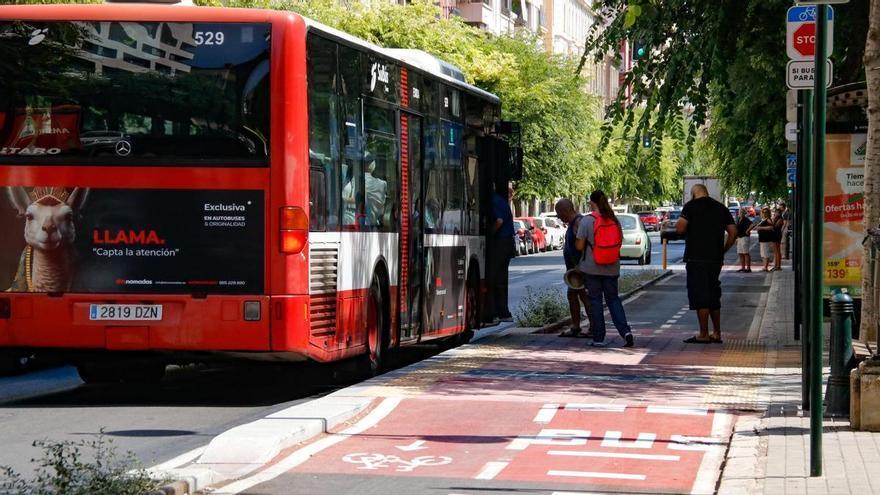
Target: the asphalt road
(193, 404)
(660, 320)
(545, 270)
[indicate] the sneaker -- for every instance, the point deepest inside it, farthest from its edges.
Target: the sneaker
(597, 344)
(629, 340)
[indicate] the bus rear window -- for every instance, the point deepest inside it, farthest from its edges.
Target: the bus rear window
(134, 93)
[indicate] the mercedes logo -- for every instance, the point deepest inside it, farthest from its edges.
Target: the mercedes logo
(123, 148)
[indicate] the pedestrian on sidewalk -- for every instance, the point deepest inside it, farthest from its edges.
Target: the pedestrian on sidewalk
(786, 231)
(501, 250)
(766, 235)
(602, 276)
(744, 228)
(565, 211)
(705, 222)
(778, 232)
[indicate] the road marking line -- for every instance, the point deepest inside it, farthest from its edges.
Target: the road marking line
(672, 321)
(658, 331)
(691, 411)
(178, 461)
(591, 474)
(304, 454)
(665, 326)
(616, 455)
(575, 406)
(579, 493)
(643, 441)
(708, 471)
(490, 470)
(546, 414)
(550, 436)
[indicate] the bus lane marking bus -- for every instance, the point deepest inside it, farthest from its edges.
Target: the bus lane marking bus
(678, 437)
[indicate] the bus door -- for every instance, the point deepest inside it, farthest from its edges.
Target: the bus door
(412, 251)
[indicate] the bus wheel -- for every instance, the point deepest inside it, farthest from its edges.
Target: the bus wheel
(93, 373)
(377, 330)
(471, 308)
(143, 373)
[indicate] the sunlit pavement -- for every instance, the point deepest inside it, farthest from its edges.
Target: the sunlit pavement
(525, 412)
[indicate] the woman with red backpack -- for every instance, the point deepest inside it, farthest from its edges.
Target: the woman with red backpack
(598, 239)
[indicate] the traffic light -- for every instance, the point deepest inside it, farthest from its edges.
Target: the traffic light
(639, 50)
(646, 140)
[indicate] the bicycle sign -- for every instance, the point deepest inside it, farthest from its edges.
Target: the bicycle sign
(382, 461)
(800, 32)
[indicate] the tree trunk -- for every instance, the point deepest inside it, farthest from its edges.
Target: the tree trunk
(872, 166)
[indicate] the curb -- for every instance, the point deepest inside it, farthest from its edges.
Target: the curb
(553, 327)
(245, 448)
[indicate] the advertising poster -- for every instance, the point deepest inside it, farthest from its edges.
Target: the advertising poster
(83, 240)
(844, 211)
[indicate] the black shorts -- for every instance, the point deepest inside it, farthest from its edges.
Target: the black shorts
(704, 285)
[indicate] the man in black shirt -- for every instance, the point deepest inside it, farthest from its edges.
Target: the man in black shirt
(705, 221)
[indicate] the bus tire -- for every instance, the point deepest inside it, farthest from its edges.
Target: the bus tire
(471, 307)
(98, 372)
(144, 373)
(377, 329)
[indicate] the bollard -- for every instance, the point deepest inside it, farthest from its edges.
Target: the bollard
(837, 390)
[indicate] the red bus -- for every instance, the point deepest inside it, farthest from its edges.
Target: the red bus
(188, 183)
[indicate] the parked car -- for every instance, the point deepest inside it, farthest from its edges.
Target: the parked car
(554, 230)
(650, 221)
(636, 243)
(538, 234)
(669, 223)
(525, 243)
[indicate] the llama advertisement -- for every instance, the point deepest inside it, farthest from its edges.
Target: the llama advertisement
(81, 240)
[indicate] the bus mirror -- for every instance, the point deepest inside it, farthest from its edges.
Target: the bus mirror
(516, 163)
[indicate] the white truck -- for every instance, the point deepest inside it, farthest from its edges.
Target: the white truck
(713, 184)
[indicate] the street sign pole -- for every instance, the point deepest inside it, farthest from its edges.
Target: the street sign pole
(817, 218)
(806, 244)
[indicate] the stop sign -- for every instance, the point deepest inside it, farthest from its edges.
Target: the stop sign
(800, 32)
(805, 40)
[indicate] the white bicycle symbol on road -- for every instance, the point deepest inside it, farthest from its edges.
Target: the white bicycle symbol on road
(380, 461)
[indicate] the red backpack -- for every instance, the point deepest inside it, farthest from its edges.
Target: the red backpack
(608, 239)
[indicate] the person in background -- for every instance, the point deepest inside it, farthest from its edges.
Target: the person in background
(778, 233)
(501, 250)
(565, 211)
(765, 237)
(601, 280)
(705, 222)
(744, 228)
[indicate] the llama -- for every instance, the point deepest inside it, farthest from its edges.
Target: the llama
(47, 261)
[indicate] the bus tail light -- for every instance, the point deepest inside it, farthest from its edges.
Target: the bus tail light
(294, 230)
(5, 308)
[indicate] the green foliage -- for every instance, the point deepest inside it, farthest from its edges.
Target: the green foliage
(725, 60)
(86, 467)
(540, 307)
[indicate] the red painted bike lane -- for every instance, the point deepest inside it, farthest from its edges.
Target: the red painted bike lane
(585, 445)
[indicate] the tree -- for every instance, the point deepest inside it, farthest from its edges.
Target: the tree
(723, 58)
(872, 162)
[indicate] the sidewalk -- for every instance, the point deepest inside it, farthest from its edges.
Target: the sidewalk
(770, 454)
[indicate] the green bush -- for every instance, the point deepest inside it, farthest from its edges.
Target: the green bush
(85, 467)
(540, 307)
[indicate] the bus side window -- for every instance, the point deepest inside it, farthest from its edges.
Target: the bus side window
(453, 176)
(323, 133)
(381, 169)
(352, 147)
